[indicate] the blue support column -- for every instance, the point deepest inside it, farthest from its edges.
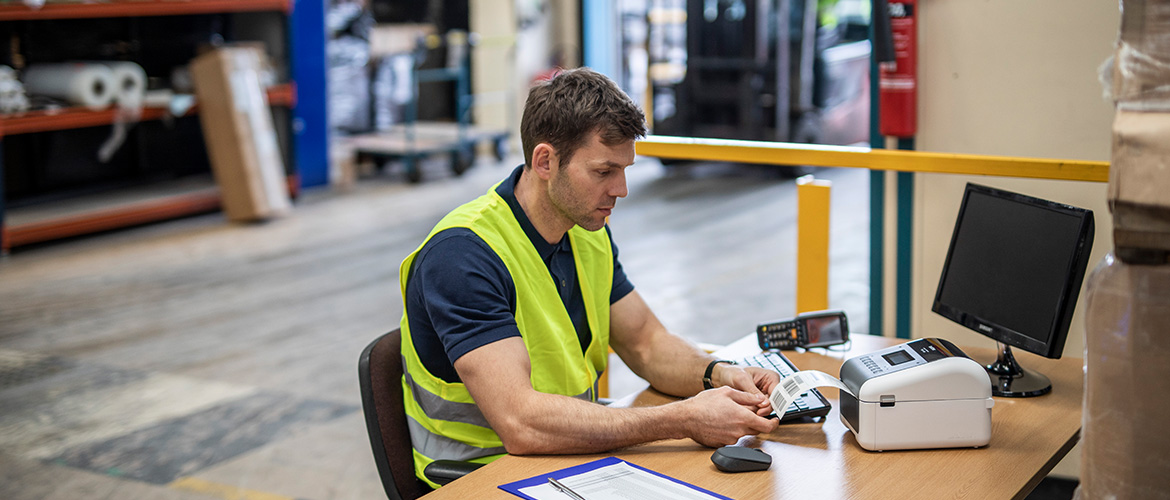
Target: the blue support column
(600, 36)
(904, 257)
(310, 119)
(877, 230)
(905, 245)
(877, 206)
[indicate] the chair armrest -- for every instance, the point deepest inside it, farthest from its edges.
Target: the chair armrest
(445, 471)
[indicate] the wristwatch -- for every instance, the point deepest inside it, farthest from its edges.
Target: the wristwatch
(710, 368)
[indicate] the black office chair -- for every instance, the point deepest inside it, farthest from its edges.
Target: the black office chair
(380, 376)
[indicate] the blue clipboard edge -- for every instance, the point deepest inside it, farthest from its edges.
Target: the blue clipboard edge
(514, 487)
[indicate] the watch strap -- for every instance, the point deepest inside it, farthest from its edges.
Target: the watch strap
(711, 368)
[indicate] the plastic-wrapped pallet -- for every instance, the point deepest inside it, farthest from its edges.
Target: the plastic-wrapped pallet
(1127, 355)
(349, 84)
(393, 89)
(1127, 374)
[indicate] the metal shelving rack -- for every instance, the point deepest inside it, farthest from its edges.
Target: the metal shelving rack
(149, 208)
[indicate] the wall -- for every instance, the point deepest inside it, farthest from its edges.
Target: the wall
(521, 40)
(492, 78)
(1004, 77)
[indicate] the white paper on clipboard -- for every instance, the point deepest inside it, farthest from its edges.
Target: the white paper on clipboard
(619, 481)
(609, 478)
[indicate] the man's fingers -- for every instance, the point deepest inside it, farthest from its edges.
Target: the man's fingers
(748, 384)
(747, 398)
(765, 425)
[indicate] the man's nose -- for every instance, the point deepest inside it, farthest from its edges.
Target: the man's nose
(618, 189)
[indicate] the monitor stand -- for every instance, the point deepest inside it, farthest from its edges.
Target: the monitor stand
(1009, 379)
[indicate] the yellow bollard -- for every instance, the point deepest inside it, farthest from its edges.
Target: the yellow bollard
(812, 244)
(603, 379)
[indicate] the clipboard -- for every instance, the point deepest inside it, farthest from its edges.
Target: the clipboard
(515, 487)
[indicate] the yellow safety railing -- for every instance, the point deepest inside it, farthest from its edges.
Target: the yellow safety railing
(781, 153)
(813, 196)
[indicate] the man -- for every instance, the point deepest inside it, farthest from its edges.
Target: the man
(514, 298)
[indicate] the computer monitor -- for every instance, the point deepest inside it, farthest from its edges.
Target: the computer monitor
(1012, 273)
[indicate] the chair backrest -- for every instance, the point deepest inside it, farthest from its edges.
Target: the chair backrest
(380, 374)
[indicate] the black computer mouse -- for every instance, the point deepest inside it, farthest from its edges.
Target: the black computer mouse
(741, 459)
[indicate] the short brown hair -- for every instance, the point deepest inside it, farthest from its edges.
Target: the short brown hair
(564, 110)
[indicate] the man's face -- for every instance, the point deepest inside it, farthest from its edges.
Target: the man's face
(585, 190)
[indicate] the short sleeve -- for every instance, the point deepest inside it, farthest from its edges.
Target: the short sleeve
(459, 297)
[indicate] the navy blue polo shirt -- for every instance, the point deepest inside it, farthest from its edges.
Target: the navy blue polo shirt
(459, 295)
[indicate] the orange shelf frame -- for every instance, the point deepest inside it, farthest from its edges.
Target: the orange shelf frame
(127, 215)
(137, 8)
(124, 216)
(80, 117)
(113, 218)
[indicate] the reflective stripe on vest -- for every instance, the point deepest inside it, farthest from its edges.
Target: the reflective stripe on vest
(445, 422)
(431, 444)
(468, 413)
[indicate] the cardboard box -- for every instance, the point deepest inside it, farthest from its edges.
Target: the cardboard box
(1139, 173)
(390, 39)
(343, 165)
(268, 71)
(241, 142)
(1139, 180)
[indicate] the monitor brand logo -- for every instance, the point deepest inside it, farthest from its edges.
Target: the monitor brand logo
(985, 328)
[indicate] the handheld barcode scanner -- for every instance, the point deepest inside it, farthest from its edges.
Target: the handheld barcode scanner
(924, 393)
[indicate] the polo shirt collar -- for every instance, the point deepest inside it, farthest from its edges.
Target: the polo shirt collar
(507, 191)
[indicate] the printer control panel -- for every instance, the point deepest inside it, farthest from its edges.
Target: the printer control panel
(908, 355)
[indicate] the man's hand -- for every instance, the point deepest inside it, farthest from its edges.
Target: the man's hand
(752, 380)
(719, 417)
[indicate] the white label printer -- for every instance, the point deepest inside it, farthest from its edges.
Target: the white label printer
(925, 393)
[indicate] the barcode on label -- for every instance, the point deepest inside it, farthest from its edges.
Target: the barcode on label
(790, 386)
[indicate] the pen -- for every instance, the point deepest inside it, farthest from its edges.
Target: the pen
(565, 489)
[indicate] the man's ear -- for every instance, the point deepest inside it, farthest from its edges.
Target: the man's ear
(544, 160)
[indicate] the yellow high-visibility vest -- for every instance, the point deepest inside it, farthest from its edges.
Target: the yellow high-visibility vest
(444, 421)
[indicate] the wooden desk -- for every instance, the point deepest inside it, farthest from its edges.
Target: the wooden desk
(823, 460)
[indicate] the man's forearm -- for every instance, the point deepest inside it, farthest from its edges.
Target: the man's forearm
(531, 422)
(559, 424)
(670, 363)
(673, 366)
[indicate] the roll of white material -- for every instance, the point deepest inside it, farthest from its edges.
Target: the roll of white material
(129, 83)
(12, 98)
(86, 84)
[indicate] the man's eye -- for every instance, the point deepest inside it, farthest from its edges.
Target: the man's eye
(603, 173)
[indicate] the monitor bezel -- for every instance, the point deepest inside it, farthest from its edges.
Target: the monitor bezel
(1053, 344)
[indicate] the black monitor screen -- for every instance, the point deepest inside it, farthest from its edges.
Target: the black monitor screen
(1014, 268)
